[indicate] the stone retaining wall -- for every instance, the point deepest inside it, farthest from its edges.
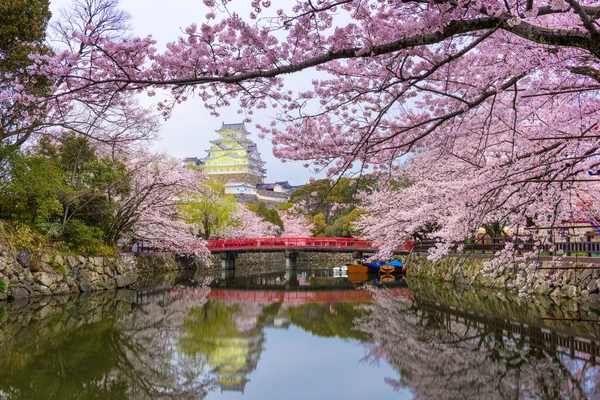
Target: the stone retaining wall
(305, 260)
(578, 284)
(28, 274)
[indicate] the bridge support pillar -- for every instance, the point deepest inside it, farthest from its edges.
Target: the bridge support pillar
(228, 261)
(357, 257)
(227, 275)
(291, 259)
(291, 277)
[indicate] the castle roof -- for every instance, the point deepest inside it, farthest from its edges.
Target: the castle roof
(242, 143)
(236, 127)
(192, 160)
(232, 155)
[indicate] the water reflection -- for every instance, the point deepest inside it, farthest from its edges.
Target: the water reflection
(441, 350)
(187, 342)
(105, 346)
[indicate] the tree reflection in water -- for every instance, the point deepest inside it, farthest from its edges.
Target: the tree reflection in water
(178, 344)
(105, 347)
(442, 356)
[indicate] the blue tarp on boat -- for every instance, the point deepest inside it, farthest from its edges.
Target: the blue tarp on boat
(393, 263)
(374, 265)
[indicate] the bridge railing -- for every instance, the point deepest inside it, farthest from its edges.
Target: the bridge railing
(588, 245)
(337, 243)
(285, 243)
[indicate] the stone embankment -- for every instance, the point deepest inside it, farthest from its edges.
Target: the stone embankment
(578, 283)
(250, 263)
(25, 274)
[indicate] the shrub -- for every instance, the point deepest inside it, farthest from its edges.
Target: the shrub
(20, 236)
(82, 237)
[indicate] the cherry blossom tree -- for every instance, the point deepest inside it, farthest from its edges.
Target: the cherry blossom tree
(246, 224)
(23, 101)
(119, 121)
(296, 225)
(481, 96)
(151, 210)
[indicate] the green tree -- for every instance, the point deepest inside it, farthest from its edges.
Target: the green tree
(206, 326)
(332, 204)
(320, 225)
(90, 182)
(211, 211)
(29, 188)
(329, 320)
(343, 225)
(62, 188)
(267, 214)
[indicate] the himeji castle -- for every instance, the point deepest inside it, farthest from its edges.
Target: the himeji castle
(234, 157)
(234, 161)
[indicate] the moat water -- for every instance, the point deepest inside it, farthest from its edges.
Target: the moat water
(303, 334)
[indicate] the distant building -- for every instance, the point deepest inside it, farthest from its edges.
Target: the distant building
(193, 161)
(234, 161)
(269, 193)
(278, 187)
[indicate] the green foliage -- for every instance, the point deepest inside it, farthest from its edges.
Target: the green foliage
(85, 355)
(22, 22)
(267, 214)
(22, 236)
(80, 236)
(211, 213)
(59, 267)
(64, 191)
(206, 327)
(268, 312)
(320, 225)
(343, 225)
(319, 198)
(30, 188)
(2, 285)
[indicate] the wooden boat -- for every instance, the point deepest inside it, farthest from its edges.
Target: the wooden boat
(388, 278)
(358, 277)
(381, 267)
(387, 269)
(359, 269)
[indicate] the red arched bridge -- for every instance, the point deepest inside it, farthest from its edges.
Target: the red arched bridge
(265, 245)
(229, 248)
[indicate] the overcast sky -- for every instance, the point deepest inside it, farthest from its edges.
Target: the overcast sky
(188, 131)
